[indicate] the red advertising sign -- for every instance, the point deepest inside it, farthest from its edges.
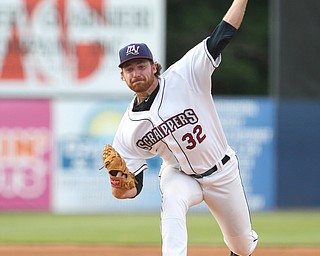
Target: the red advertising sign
(25, 155)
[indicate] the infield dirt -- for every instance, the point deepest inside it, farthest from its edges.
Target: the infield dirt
(100, 250)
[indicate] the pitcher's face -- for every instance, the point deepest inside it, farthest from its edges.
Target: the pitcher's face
(139, 74)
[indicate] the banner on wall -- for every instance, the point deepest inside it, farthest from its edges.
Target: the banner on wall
(249, 124)
(25, 155)
(70, 47)
(79, 184)
(81, 187)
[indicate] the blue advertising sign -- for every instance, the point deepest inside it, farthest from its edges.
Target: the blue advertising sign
(249, 124)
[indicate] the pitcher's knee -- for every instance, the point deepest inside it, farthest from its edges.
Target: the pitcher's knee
(242, 245)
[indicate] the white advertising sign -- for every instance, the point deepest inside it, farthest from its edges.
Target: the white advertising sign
(55, 48)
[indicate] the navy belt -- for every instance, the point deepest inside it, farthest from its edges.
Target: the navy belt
(224, 160)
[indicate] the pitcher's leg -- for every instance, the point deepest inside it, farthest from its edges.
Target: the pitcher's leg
(179, 193)
(224, 194)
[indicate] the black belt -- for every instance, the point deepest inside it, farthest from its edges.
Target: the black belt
(224, 160)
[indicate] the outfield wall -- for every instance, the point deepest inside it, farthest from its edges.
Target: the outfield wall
(50, 153)
(298, 146)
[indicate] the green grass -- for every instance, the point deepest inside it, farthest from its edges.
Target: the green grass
(86, 229)
(288, 228)
(274, 228)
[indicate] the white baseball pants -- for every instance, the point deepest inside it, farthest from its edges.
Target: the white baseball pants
(223, 193)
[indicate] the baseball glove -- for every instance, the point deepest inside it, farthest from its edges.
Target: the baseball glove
(114, 163)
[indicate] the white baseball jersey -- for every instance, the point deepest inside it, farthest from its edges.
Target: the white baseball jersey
(182, 121)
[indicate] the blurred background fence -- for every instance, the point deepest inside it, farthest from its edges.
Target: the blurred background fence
(61, 97)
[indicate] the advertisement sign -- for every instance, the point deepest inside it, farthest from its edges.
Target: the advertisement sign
(249, 124)
(70, 47)
(82, 127)
(25, 155)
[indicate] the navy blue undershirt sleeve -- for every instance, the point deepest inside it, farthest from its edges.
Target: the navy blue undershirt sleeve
(220, 37)
(139, 186)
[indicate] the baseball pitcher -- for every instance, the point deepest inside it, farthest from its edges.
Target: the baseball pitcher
(173, 115)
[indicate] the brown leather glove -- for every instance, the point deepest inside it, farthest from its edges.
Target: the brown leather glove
(114, 163)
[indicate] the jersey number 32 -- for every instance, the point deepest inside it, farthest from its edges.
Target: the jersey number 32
(197, 136)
